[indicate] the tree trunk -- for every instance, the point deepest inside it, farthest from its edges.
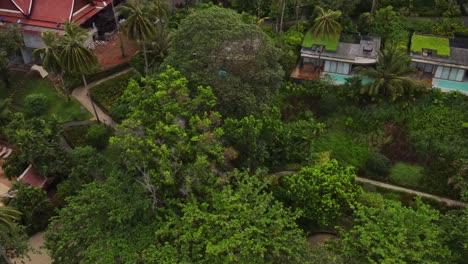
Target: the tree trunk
(90, 99)
(65, 89)
(297, 16)
(122, 49)
(146, 58)
(375, 3)
(281, 22)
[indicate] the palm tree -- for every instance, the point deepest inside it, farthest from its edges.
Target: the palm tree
(50, 55)
(137, 26)
(390, 77)
(159, 45)
(75, 56)
(8, 215)
(158, 9)
(326, 24)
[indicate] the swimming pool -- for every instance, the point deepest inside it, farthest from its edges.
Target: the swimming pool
(451, 85)
(341, 79)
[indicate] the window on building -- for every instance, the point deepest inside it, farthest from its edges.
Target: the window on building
(449, 73)
(337, 67)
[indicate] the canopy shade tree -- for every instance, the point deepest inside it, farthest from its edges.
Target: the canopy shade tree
(171, 139)
(107, 222)
(323, 192)
(241, 223)
(215, 47)
(393, 233)
(10, 40)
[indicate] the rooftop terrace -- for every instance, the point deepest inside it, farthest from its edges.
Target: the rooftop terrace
(330, 43)
(439, 44)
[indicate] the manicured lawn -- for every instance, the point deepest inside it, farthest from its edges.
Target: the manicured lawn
(330, 43)
(407, 175)
(440, 44)
(22, 86)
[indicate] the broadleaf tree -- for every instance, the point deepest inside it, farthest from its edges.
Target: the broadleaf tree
(215, 47)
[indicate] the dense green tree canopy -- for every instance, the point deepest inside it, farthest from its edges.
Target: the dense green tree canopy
(323, 192)
(13, 242)
(396, 234)
(238, 224)
(34, 206)
(10, 40)
(171, 138)
(215, 47)
(104, 223)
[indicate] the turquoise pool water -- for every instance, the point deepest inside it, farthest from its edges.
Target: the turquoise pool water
(444, 84)
(341, 79)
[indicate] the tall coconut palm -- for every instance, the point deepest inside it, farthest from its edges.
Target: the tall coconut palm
(138, 26)
(50, 56)
(158, 9)
(326, 24)
(390, 76)
(75, 56)
(8, 215)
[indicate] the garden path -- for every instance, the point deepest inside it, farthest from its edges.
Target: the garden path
(447, 201)
(82, 95)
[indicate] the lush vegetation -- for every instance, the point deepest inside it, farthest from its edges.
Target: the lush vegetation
(108, 92)
(218, 158)
(53, 105)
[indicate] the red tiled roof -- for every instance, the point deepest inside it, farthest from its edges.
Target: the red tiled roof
(24, 6)
(47, 13)
(30, 177)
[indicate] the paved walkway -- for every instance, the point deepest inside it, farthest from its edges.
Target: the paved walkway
(82, 95)
(38, 254)
(448, 201)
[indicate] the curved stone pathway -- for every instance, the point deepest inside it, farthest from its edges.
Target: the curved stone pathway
(447, 201)
(82, 95)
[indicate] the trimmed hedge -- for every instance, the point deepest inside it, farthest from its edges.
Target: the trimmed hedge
(106, 94)
(96, 135)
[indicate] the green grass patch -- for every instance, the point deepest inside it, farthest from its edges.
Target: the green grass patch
(330, 43)
(107, 93)
(343, 148)
(407, 175)
(22, 86)
(440, 44)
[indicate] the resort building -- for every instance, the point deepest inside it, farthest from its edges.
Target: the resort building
(36, 16)
(441, 59)
(335, 56)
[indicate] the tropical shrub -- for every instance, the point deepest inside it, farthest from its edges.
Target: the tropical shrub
(343, 148)
(322, 192)
(98, 136)
(36, 104)
(377, 166)
(107, 93)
